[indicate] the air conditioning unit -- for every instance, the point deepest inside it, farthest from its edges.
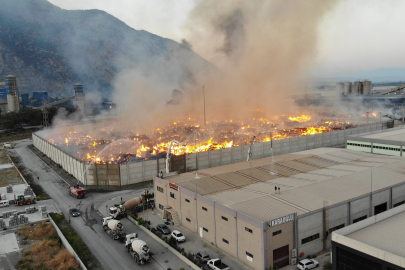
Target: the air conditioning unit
(294, 253)
(293, 261)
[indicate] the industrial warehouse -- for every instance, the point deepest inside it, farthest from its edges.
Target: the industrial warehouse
(372, 243)
(275, 211)
(390, 143)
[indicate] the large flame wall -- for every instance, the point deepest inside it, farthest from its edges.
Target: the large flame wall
(113, 175)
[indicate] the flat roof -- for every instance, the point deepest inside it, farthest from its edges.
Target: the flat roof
(384, 234)
(392, 135)
(307, 180)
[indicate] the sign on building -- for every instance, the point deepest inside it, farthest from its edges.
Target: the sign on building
(173, 186)
(279, 221)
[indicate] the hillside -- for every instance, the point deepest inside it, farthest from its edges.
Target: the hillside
(50, 49)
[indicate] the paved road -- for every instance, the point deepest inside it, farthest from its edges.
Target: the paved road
(111, 254)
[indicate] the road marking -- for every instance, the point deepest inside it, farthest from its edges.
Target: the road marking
(49, 167)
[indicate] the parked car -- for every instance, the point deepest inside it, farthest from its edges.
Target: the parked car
(178, 236)
(8, 145)
(74, 212)
(163, 229)
(307, 264)
(202, 256)
(217, 264)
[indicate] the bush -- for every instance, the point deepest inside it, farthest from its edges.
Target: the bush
(172, 241)
(182, 268)
(327, 266)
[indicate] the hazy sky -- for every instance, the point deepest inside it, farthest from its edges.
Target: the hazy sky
(357, 35)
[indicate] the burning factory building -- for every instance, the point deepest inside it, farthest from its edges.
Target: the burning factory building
(100, 154)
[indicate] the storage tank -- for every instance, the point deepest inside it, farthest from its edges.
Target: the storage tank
(114, 224)
(132, 203)
(140, 247)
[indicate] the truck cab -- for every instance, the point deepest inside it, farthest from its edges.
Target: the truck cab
(129, 239)
(105, 222)
(117, 212)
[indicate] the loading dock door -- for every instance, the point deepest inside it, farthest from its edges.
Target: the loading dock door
(380, 208)
(281, 257)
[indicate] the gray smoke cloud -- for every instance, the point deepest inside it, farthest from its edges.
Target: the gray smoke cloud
(265, 49)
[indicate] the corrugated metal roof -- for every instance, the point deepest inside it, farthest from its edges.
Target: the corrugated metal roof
(393, 135)
(306, 181)
(265, 208)
(386, 235)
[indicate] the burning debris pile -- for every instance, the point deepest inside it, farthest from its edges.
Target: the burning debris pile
(112, 146)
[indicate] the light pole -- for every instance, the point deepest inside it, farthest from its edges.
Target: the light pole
(205, 121)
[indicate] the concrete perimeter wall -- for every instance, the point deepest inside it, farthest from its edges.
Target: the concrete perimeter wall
(67, 245)
(132, 173)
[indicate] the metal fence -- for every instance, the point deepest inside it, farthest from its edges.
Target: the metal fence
(114, 175)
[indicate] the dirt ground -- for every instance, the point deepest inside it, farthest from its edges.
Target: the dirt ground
(9, 175)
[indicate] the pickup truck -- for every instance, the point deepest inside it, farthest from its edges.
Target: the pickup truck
(217, 264)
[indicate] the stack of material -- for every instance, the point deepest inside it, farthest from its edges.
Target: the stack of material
(28, 191)
(2, 197)
(42, 211)
(9, 213)
(9, 189)
(29, 210)
(17, 220)
(2, 224)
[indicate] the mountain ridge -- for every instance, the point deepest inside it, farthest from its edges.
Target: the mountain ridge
(51, 49)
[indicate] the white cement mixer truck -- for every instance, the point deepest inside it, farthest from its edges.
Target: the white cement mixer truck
(113, 228)
(118, 212)
(137, 249)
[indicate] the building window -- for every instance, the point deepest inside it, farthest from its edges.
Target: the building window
(336, 228)
(205, 209)
(399, 203)
(188, 219)
(172, 195)
(224, 218)
(276, 232)
(309, 238)
(187, 200)
(348, 260)
(161, 206)
(248, 230)
(359, 219)
(159, 189)
(205, 229)
(225, 241)
(249, 254)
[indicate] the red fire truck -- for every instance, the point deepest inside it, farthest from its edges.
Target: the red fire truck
(77, 191)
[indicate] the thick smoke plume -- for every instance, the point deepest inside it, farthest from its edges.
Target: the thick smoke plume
(265, 48)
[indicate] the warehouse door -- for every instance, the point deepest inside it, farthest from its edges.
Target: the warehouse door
(380, 208)
(281, 256)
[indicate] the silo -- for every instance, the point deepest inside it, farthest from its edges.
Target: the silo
(347, 88)
(367, 87)
(79, 98)
(13, 103)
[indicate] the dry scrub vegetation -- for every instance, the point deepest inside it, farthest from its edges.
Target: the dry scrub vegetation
(45, 251)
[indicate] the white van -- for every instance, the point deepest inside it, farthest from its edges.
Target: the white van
(8, 145)
(4, 203)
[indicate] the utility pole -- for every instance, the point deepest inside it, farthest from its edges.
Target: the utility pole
(205, 121)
